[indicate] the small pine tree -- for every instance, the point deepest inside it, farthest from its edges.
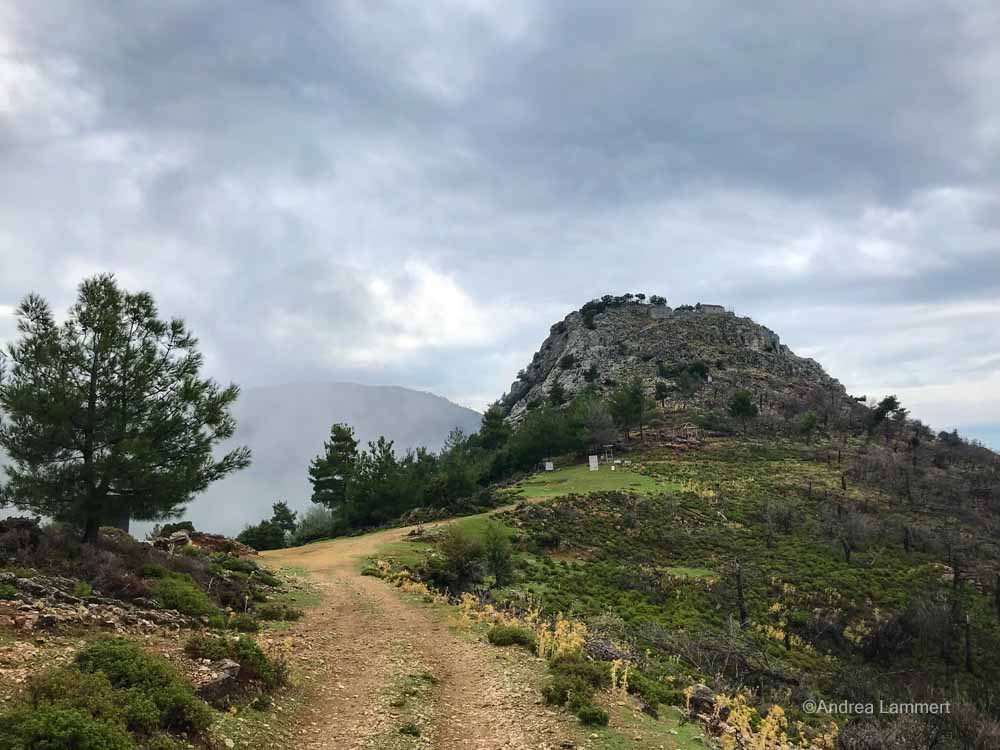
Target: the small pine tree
(283, 517)
(808, 423)
(493, 430)
(662, 392)
(742, 407)
(557, 394)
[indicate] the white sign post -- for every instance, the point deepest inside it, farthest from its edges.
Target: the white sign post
(593, 463)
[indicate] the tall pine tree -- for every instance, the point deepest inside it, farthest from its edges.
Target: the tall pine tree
(331, 471)
(106, 415)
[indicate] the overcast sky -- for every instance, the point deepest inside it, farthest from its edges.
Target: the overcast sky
(412, 193)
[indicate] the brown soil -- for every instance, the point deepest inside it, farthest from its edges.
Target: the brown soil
(484, 697)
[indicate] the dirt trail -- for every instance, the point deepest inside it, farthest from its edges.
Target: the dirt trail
(482, 699)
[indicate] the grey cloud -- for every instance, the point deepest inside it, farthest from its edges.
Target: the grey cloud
(259, 166)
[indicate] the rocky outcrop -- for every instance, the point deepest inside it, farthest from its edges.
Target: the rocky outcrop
(651, 342)
(203, 541)
(44, 603)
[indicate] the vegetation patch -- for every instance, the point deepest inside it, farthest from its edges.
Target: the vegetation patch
(512, 635)
(115, 696)
(256, 667)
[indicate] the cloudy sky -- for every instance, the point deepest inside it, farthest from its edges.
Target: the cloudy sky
(411, 193)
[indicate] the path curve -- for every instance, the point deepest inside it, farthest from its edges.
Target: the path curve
(351, 646)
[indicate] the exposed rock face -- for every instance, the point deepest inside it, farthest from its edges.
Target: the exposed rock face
(645, 341)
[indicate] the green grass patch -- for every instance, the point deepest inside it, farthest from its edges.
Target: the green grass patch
(579, 480)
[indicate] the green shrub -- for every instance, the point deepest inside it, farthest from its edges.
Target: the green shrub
(255, 666)
(497, 554)
(268, 579)
(238, 564)
(8, 591)
(164, 742)
(207, 647)
(460, 562)
(511, 635)
(561, 688)
(82, 589)
(61, 729)
(68, 688)
(129, 668)
(592, 716)
(653, 692)
(262, 702)
(597, 674)
(244, 623)
(153, 571)
(279, 611)
(178, 591)
(116, 688)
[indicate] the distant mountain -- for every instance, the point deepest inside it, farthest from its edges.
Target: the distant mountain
(285, 426)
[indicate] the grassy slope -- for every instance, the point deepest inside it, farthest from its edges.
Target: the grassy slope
(581, 480)
(663, 556)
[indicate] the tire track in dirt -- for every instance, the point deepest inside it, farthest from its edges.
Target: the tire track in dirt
(483, 700)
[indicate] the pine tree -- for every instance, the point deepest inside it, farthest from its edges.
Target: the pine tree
(331, 471)
(107, 416)
(662, 392)
(283, 517)
(493, 430)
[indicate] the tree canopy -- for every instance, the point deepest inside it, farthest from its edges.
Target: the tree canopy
(106, 414)
(330, 471)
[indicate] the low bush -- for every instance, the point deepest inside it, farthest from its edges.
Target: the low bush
(460, 563)
(255, 665)
(178, 591)
(129, 668)
(68, 688)
(652, 692)
(244, 623)
(8, 591)
(61, 729)
(511, 635)
(562, 689)
(207, 647)
(592, 716)
(597, 674)
(82, 590)
(115, 697)
(279, 611)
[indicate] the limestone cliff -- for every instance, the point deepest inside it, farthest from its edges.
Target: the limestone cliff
(600, 349)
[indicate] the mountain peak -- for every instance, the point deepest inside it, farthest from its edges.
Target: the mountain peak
(616, 339)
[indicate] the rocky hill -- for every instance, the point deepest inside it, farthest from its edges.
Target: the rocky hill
(700, 353)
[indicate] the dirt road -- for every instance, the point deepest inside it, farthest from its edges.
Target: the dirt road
(391, 674)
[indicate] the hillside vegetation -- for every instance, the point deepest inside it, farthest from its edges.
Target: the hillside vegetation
(807, 556)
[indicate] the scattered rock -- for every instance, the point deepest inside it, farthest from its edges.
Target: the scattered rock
(223, 681)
